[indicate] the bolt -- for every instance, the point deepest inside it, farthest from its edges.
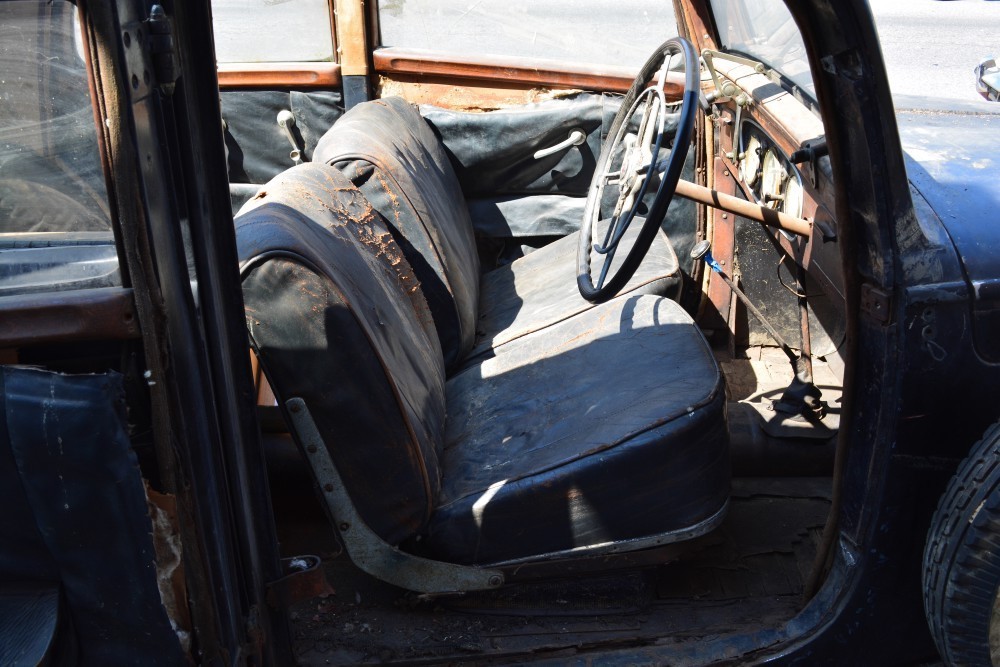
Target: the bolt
(725, 216)
(495, 580)
(328, 488)
(311, 449)
(344, 527)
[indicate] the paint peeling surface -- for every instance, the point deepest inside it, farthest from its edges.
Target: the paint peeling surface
(953, 160)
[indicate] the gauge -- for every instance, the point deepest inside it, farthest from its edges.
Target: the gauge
(793, 197)
(750, 161)
(773, 176)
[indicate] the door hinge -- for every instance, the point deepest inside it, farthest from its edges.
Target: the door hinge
(163, 53)
(875, 303)
(150, 54)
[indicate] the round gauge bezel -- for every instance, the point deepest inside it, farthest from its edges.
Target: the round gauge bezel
(794, 178)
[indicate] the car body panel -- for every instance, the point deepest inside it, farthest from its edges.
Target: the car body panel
(953, 158)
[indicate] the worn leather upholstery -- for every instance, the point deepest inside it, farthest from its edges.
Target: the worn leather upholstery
(493, 152)
(390, 152)
(606, 425)
(539, 289)
(399, 164)
(336, 316)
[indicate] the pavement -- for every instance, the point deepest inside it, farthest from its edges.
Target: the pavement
(931, 46)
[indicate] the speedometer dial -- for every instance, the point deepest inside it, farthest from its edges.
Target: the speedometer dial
(773, 177)
(793, 198)
(750, 162)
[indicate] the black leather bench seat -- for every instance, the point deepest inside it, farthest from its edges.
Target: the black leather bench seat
(580, 427)
(607, 426)
(390, 152)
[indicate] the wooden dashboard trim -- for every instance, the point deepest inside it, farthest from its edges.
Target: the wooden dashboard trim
(324, 75)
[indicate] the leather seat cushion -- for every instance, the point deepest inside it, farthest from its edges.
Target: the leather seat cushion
(387, 150)
(337, 319)
(606, 426)
(539, 289)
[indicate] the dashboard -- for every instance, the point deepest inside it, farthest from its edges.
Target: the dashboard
(768, 146)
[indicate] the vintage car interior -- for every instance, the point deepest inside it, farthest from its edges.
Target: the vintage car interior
(471, 386)
(546, 354)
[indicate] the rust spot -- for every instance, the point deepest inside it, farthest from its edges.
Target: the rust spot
(260, 195)
(393, 199)
(169, 562)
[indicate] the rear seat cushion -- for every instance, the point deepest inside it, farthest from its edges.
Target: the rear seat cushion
(539, 289)
(338, 320)
(389, 152)
(607, 426)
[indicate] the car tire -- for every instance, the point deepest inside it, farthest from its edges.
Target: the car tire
(962, 560)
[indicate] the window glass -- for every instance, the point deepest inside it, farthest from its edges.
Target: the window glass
(55, 225)
(624, 32)
(765, 31)
(259, 31)
(50, 171)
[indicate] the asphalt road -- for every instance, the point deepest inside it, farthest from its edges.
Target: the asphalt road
(931, 47)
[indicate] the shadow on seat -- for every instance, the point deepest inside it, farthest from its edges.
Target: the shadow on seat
(603, 432)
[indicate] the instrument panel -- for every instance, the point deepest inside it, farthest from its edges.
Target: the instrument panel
(769, 175)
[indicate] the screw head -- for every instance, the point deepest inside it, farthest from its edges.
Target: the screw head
(495, 580)
(328, 487)
(311, 449)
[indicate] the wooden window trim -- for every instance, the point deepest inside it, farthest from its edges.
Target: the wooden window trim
(279, 75)
(393, 61)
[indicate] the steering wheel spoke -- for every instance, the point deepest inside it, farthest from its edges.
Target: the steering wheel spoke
(633, 163)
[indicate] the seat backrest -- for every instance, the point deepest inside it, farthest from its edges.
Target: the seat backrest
(338, 320)
(388, 151)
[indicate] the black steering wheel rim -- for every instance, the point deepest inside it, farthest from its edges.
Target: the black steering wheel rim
(607, 287)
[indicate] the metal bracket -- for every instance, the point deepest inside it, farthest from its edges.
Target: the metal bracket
(875, 303)
(726, 90)
(366, 549)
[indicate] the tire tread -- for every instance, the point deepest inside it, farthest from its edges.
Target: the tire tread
(962, 556)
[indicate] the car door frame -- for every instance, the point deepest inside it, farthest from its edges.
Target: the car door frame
(164, 160)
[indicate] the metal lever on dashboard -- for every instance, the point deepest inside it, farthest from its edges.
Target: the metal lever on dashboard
(286, 121)
(575, 138)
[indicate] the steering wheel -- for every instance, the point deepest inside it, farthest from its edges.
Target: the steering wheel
(631, 166)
